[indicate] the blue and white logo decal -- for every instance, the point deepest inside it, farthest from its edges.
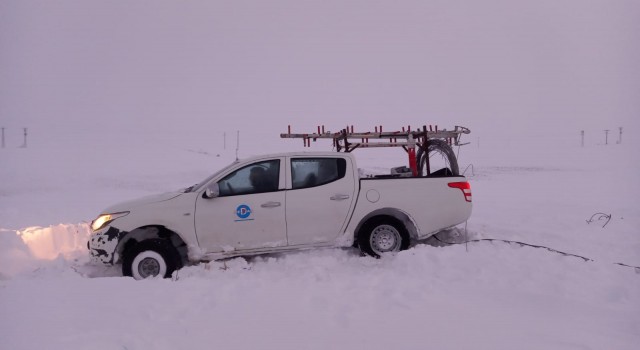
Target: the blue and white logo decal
(243, 211)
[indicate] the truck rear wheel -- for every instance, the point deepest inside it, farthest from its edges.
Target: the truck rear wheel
(382, 235)
(151, 258)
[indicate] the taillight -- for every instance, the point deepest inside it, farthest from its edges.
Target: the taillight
(465, 187)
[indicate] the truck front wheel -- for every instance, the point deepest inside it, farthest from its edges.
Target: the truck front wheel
(150, 258)
(382, 235)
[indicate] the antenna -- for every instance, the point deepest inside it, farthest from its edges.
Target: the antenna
(237, 143)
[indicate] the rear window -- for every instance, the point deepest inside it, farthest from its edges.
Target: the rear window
(312, 172)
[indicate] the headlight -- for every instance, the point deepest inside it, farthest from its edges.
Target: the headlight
(105, 219)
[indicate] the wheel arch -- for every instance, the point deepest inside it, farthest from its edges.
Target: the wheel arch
(402, 217)
(147, 232)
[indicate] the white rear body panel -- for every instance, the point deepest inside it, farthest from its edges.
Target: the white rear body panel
(429, 202)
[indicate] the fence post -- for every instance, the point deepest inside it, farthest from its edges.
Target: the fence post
(606, 137)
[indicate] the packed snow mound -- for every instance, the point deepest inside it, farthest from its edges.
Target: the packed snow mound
(35, 247)
(62, 239)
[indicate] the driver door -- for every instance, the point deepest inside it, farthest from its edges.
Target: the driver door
(249, 214)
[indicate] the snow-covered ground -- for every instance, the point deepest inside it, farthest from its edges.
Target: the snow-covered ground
(125, 99)
(536, 189)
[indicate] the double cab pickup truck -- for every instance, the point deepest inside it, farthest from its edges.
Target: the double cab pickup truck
(277, 203)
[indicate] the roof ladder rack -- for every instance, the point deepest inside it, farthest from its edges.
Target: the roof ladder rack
(348, 140)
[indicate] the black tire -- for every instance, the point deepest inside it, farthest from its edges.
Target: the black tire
(377, 236)
(149, 254)
(443, 148)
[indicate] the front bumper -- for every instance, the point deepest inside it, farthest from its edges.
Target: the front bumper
(103, 243)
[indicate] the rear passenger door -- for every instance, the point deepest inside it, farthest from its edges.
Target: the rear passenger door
(320, 192)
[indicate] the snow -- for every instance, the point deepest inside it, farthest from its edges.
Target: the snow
(486, 295)
(124, 100)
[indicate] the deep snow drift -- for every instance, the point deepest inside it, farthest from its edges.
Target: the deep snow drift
(482, 296)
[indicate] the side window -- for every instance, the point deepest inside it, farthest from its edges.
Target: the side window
(255, 178)
(311, 172)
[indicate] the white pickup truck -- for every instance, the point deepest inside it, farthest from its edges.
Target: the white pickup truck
(277, 203)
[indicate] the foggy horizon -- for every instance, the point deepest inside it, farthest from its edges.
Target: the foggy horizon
(496, 65)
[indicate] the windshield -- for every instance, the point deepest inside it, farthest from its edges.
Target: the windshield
(200, 184)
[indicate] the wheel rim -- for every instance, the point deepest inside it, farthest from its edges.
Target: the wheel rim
(148, 264)
(149, 267)
(385, 238)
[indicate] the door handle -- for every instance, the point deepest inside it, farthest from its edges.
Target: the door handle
(339, 197)
(271, 204)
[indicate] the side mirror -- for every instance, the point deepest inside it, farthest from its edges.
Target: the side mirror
(212, 191)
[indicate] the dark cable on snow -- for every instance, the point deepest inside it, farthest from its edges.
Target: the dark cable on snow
(514, 242)
(634, 267)
(473, 172)
(599, 217)
(637, 268)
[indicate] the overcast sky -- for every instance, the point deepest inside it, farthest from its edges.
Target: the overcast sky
(485, 64)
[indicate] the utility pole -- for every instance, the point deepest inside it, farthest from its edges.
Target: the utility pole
(24, 145)
(606, 137)
(582, 138)
(3, 137)
(237, 143)
(620, 136)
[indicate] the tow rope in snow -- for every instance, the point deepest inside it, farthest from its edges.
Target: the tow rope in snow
(637, 268)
